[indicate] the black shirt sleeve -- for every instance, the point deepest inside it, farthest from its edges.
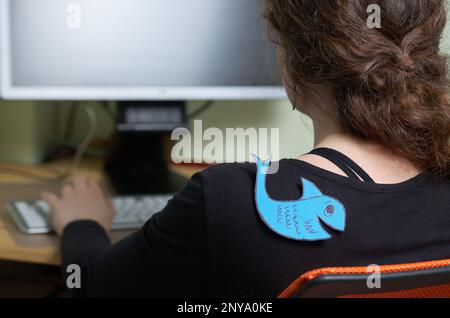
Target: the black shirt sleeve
(168, 257)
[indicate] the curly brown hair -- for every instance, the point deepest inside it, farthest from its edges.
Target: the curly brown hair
(390, 83)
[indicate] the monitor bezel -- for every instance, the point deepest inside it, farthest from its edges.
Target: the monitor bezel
(10, 92)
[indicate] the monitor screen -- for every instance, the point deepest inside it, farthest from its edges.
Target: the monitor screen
(136, 49)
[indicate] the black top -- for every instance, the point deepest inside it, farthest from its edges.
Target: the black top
(211, 241)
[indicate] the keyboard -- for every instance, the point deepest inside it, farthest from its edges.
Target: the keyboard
(33, 217)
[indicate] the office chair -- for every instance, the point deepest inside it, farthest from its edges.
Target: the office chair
(417, 280)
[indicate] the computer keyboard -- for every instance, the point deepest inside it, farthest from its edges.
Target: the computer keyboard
(33, 217)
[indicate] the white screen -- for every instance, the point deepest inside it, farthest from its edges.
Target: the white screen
(219, 47)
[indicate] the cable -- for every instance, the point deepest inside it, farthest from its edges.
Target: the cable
(107, 108)
(73, 107)
(207, 105)
(93, 123)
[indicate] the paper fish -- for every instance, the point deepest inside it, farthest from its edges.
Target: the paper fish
(298, 220)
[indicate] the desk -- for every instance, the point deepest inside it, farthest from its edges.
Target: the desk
(44, 249)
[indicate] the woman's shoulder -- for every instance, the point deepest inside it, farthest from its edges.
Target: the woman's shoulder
(231, 179)
(238, 179)
(229, 170)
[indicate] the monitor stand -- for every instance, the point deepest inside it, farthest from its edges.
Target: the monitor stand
(137, 161)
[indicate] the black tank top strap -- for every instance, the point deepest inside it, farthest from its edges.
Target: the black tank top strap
(347, 165)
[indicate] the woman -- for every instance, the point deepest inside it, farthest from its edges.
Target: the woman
(379, 96)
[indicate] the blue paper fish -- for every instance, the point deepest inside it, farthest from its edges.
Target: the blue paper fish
(298, 220)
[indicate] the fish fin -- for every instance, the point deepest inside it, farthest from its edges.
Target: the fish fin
(310, 190)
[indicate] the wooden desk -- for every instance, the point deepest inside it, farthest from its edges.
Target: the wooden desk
(43, 249)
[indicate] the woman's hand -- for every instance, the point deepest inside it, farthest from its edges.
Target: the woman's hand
(81, 200)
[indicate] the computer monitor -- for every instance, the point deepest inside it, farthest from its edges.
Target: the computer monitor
(136, 50)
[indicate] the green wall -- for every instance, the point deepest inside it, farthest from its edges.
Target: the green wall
(28, 130)
(296, 132)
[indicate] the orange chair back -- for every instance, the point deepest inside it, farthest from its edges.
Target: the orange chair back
(416, 280)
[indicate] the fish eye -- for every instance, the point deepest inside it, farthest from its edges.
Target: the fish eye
(329, 210)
